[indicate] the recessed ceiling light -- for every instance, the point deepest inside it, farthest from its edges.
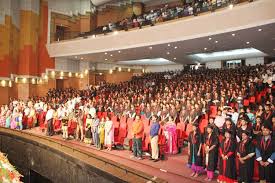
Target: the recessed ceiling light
(75, 57)
(175, 58)
(119, 51)
(260, 30)
(233, 34)
(111, 55)
(93, 36)
(81, 58)
(150, 47)
(168, 45)
(209, 38)
(274, 49)
(247, 42)
(116, 32)
(231, 6)
(105, 53)
(216, 41)
(106, 59)
(168, 53)
(205, 48)
(175, 47)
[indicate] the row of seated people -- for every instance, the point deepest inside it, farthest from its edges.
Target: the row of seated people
(190, 7)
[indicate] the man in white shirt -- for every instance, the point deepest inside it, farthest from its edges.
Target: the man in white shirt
(49, 120)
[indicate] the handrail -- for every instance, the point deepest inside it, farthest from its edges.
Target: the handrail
(124, 168)
(130, 25)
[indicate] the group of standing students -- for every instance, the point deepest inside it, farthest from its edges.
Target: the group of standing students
(234, 158)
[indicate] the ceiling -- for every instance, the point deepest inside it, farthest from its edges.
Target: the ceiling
(102, 2)
(261, 38)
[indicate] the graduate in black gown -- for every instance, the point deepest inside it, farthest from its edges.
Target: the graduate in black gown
(245, 155)
(227, 163)
(211, 152)
(265, 154)
(195, 151)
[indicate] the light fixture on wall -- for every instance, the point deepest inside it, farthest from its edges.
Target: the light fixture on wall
(119, 69)
(129, 70)
(111, 71)
(116, 33)
(33, 81)
(53, 73)
(10, 84)
(81, 75)
(76, 74)
(61, 73)
(70, 74)
(86, 71)
(16, 80)
(143, 70)
(231, 6)
(46, 77)
(3, 83)
(24, 80)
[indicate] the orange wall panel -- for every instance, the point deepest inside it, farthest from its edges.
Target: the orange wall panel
(118, 77)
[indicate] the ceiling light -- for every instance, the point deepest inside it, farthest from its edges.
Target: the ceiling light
(46, 77)
(61, 73)
(175, 58)
(81, 58)
(119, 51)
(216, 41)
(116, 32)
(260, 30)
(274, 49)
(129, 70)
(233, 34)
(168, 45)
(110, 71)
(119, 69)
(209, 38)
(93, 36)
(168, 53)
(205, 48)
(106, 59)
(111, 55)
(230, 6)
(16, 80)
(70, 74)
(105, 53)
(75, 57)
(150, 47)
(10, 84)
(81, 75)
(76, 74)
(247, 42)
(175, 47)
(86, 71)
(100, 73)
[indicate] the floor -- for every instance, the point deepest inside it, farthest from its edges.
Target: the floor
(173, 169)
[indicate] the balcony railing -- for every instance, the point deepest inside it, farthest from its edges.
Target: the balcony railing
(151, 19)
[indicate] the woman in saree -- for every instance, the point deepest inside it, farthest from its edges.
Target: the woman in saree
(171, 136)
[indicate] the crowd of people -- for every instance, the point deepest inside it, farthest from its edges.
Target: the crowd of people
(226, 116)
(166, 13)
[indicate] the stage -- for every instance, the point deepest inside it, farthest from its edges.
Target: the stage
(173, 169)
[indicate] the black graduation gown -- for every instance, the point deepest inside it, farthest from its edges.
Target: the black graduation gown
(213, 154)
(266, 149)
(246, 169)
(240, 130)
(195, 141)
(227, 168)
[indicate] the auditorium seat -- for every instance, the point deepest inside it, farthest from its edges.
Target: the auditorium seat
(122, 132)
(246, 102)
(213, 111)
(202, 125)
